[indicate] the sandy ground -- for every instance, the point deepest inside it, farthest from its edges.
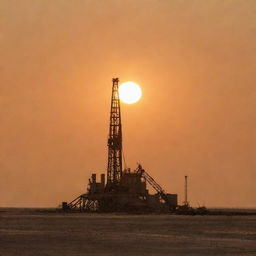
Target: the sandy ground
(31, 233)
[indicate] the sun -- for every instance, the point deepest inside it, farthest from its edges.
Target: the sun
(129, 92)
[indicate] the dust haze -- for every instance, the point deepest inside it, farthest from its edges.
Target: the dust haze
(195, 61)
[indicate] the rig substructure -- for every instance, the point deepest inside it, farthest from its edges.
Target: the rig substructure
(124, 190)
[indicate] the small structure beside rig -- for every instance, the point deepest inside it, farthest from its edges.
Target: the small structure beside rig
(124, 190)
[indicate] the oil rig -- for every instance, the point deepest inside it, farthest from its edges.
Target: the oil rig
(123, 190)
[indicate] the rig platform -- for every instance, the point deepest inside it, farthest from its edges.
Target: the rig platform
(124, 190)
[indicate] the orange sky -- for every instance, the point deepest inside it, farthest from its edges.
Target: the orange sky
(195, 61)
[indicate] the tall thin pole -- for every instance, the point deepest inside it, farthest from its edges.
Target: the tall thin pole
(186, 190)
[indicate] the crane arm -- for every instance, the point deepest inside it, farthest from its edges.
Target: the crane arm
(151, 181)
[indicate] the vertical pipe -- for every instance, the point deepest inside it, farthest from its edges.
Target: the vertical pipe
(103, 179)
(94, 178)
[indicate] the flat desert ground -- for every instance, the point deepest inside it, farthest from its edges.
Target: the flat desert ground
(36, 233)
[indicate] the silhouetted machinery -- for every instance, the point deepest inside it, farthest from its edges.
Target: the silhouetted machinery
(124, 190)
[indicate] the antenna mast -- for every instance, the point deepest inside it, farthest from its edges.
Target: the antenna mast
(114, 171)
(186, 190)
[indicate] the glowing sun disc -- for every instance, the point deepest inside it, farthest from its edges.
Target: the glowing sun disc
(129, 92)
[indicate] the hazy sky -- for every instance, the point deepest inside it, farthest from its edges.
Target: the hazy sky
(196, 64)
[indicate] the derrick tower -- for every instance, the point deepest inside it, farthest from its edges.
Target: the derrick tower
(125, 190)
(114, 170)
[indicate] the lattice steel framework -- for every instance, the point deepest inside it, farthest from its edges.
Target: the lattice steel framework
(114, 171)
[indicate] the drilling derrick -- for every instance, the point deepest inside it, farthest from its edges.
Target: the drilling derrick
(125, 190)
(114, 171)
